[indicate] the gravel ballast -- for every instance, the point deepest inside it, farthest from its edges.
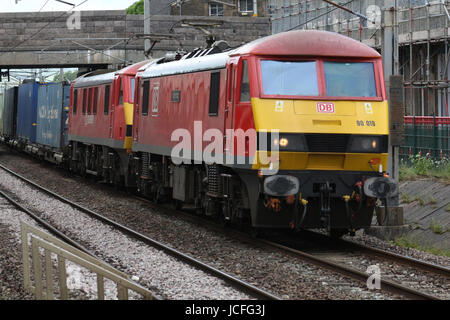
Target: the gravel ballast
(280, 274)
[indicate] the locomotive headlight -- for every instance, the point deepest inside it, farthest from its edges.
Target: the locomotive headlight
(363, 144)
(284, 142)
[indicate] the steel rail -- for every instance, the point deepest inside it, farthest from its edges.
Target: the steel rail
(392, 256)
(405, 260)
(387, 285)
(360, 276)
(233, 281)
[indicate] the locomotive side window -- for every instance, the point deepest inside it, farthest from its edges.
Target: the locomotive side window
(75, 101)
(145, 98)
(350, 79)
(84, 100)
(289, 78)
(90, 101)
(94, 107)
(107, 90)
(214, 94)
(245, 83)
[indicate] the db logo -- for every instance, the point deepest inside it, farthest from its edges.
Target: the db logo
(325, 107)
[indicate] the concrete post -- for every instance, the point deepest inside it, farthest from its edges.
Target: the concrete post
(390, 55)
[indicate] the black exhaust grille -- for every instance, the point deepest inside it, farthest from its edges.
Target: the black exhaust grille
(327, 142)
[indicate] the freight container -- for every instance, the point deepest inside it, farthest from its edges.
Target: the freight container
(10, 113)
(52, 115)
(2, 96)
(27, 112)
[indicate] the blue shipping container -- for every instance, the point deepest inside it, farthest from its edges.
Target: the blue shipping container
(52, 116)
(27, 111)
(66, 114)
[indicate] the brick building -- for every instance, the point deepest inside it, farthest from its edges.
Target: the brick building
(220, 8)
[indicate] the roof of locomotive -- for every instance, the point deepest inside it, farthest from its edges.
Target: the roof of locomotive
(91, 79)
(134, 68)
(209, 62)
(307, 43)
(87, 81)
(291, 43)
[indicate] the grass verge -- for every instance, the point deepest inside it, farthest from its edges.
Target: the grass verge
(408, 242)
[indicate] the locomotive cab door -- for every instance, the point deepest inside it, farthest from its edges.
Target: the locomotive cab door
(229, 105)
(115, 92)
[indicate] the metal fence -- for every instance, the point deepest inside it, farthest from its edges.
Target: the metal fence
(425, 135)
(43, 285)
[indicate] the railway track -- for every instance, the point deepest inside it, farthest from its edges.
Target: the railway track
(292, 247)
(238, 284)
(333, 259)
(316, 259)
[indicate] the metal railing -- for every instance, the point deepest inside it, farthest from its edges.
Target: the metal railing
(425, 135)
(41, 241)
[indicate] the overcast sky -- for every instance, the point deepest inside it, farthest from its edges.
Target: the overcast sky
(52, 5)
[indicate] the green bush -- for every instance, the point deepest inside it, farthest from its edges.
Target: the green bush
(436, 227)
(136, 8)
(419, 165)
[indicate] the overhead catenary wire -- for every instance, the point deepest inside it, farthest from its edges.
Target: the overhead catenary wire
(43, 5)
(316, 17)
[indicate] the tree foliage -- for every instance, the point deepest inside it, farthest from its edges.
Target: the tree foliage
(136, 8)
(68, 76)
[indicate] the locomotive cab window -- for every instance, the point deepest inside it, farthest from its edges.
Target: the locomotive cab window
(132, 83)
(350, 79)
(245, 83)
(289, 78)
(214, 94)
(121, 93)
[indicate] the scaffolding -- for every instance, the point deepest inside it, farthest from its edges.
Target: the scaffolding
(422, 36)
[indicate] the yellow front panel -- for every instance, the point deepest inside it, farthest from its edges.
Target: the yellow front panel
(323, 161)
(301, 116)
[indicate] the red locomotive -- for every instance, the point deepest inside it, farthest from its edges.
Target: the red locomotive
(294, 128)
(100, 123)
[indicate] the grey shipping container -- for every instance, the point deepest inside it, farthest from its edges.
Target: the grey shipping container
(52, 115)
(10, 112)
